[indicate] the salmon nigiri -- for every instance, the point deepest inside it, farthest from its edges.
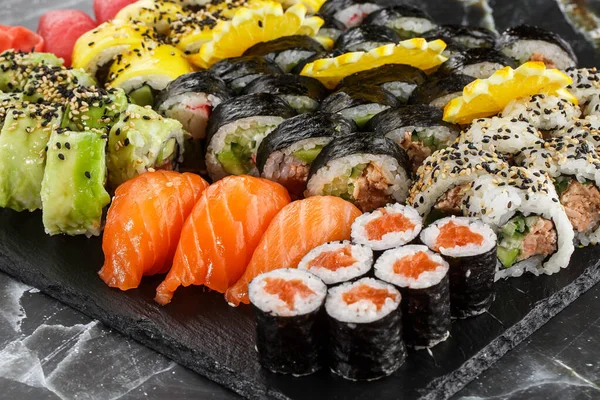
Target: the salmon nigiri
(297, 229)
(219, 237)
(144, 223)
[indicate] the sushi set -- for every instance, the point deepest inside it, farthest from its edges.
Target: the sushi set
(288, 196)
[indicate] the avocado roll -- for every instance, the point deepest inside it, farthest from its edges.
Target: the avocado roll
(302, 93)
(366, 38)
(142, 140)
(418, 129)
(94, 108)
(365, 330)
(236, 130)
(479, 63)
(440, 89)
(73, 194)
(288, 306)
(409, 22)
(359, 103)
(55, 84)
(16, 67)
(286, 154)
(399, 79)
(8, 101)
(350, 13)
(544, 112)
(328, 54)
(364, 168)
(23, 140)
(421, 276)
(239, 71)
(529, 43)
(468, 36)
(469, 247)
(286, 51)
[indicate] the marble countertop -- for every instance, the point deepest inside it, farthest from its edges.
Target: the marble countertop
(49, 351)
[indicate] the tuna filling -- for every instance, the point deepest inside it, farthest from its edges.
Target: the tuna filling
(581, 202)
(524, 237)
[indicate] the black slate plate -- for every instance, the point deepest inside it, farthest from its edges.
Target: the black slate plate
(199, 330)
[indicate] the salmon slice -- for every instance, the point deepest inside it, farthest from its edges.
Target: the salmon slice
(220, 235)
(414, 265)
(333, 260)
(454, 235)
(144, 223)
(297, 229)
(365, 292)
(287, 290)
(387, 223)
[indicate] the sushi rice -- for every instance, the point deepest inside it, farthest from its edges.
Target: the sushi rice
(360, 256)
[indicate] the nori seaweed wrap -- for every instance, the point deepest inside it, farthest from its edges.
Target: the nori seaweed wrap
(239, 71)
(286, 154)
(468, 36)
(328, 54)
(440, 89)
(302, 93)
(359, 103)
(409, 22)
(351, 13)
(479, 63)
(365, 330)
(366, 38)
(289, 330)
(399, 79)
(286, 51)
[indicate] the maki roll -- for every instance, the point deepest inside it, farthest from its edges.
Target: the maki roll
(286, 51)
(156, 15)
(236, 130)
(350, 13)
(286, 154)
(140, 141)
(287, 306)
(331, 29)
(529, 43)
(94, 108)
(54, 84)
(469, 246)
(366, 169)
(440, 89)
(359, 103)
(418, 129)
(387, 227)
(365, 330)
(479, 63)
(338, 262)
(544, 112)
(328, 54)
(191, 98)
(16, 67)
(302, 93)
(23, 140)
(422, 278)
(72, 193)
(409, 22)
(239, 71)
(468, 36)
(366, 38)
(398, 79)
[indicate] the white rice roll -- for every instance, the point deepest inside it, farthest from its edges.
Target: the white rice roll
(504, 135)
(586, 83)
(338, 262)
(544, 112)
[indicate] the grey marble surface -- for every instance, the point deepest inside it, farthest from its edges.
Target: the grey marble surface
(49, 351)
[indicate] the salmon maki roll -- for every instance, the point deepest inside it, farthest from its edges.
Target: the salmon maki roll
(144, 223)
(296, 230)
(219, 237)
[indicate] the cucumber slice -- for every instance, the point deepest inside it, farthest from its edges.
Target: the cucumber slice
(142, 96)
(231, 162)
(308, 155)
(507, 256)
(362, 121)
(357, 170)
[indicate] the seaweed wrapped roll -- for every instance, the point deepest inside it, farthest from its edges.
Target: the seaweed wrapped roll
(409, 22)
(239, 71)
(366, 38)
(440, 89)
(236, 130)
(479, 63)
(287, 307)
(350, 13)
(328, 54)
(468, 36)
(286, 154)
(365, 168)
(286, 51)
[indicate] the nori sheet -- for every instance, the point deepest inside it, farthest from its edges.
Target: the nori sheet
(330, 7)
(387, 16)
(288, 84)
(195, 82)
(294, 42)
(527, 32)
(366, 33)
(439, 86)
(348, 97)
(452, 33)
(230, 69)
(384, 74)
(328, 54)
(455, 64)
(419, 115)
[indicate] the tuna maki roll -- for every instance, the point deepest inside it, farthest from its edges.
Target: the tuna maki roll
(409, 22)
(418, 129)
(302, 93)
(366, 38)
(440, 89)
(422, 278)
(286, 154)
(399, 79)
(387, 227)
(529, 43)
(359, 103)
(479, 63)
(287, 307)
(16, 67)
(236, 130)
(469, 246)
(73, 194)
(94, 108)
(468, 36)
(350, 13)
(239, 71)
(365, 330)
(286, 51)
(338, 262)
(365, 168)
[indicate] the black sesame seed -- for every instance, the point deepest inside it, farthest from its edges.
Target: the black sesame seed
(61, 156)
(88, 175)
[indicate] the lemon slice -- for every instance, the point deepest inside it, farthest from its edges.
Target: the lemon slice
(153, 14)
(487, 97)
(415, 52)
(250, 26)
(312, 6)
